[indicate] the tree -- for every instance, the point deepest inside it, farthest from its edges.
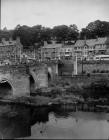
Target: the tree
(96, 29)
(63, 32)
(60, 32)
(73, 32)
(5, 34)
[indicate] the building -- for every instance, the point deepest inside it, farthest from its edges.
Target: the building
(50, 51)
(67, 51)
(10, 51)
(87, 49)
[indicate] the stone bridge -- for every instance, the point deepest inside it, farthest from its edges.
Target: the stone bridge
(21, 80)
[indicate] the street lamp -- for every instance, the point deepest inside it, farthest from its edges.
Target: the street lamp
(82, 65)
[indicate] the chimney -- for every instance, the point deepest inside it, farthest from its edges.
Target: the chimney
(85, 39)
(96, 38)
(10, 39)
(45, 43)
(63, 43)
(53, 42)
(17, 39)
(3, 40)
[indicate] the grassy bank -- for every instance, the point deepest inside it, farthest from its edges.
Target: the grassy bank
(67, 91)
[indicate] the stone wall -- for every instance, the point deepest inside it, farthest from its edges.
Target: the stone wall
(81, 81)
(40, 75)
(53, 70)
(91, 67)
(17, 78)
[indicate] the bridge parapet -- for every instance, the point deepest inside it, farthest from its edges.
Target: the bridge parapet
(13, 69)
(18, 76)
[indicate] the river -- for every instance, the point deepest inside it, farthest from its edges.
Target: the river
(46, 123)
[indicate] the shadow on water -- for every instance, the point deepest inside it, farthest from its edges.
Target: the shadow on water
(16, 121)
(39, 115)
(19, 121)
(5, 89)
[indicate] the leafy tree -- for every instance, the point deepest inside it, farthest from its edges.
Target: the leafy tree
(73, 32)
(65, 33)
(5, 34)
(60, 32)
(95, 29)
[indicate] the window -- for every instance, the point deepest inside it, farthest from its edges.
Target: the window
(75, 48)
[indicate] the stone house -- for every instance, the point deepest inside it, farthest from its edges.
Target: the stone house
(10, 50)
(86, 49)
(50, 51)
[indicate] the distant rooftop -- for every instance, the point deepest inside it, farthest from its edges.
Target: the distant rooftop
(92, 42)
(53, 45)
(9, 42)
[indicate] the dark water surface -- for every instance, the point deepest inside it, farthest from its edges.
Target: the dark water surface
(43, 122)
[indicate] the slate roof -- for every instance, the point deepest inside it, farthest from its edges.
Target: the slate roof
(53, 46)
(92, 42)
(67, 46)
(7, 43)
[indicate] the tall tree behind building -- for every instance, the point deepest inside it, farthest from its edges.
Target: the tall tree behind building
(95, 29)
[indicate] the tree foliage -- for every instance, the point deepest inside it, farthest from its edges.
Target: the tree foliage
(95, 29)
(36, 35)
(65, 33)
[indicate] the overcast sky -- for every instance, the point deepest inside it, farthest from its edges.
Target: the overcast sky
(53, 12)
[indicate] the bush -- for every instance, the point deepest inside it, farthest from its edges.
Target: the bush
(94, 71)
(97, 71)
(102, 71)
(107, 71)
(88, 74)
(56, 92)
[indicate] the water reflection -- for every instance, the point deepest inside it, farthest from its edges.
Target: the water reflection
(14, 122)
(72, 125)
(39, 115)
(44, 122)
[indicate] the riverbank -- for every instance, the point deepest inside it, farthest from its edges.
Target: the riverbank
(64, 93)
(92, 95)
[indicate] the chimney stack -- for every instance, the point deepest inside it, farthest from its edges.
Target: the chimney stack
(17, 39)
(10, 39)
(45, 43)
(3, 40)
(63, 43)
(85, 39)
(53, 42)
(96, 38)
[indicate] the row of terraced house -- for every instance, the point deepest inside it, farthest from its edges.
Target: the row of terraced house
(84, 49)
(13, 51)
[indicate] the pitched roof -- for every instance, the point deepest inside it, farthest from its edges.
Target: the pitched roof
(92, 42)
(7, 43)
(53, 46)
(68, 46)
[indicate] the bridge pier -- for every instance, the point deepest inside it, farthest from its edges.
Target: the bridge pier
(18, 78)
(53, 70)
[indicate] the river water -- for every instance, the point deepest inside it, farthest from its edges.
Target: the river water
(46, 123)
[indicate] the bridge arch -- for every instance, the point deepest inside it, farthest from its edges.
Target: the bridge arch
(32, 83)
(49, 76)
(49, 73)
(6, 88)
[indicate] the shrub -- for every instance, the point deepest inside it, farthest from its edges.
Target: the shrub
(94, 71)
(88, 74)
(102, 71)
(97, 71)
